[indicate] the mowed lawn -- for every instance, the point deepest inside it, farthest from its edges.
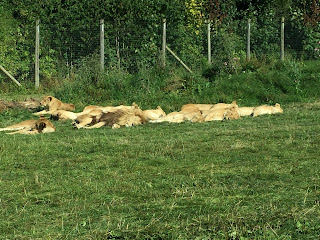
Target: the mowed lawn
(252, 178)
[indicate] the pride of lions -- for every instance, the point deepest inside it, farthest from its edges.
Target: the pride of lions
(94, 116)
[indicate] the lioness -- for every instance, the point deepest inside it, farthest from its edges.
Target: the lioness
(54, 104)
(89, 108)
(232, 114)
(265, 109)
(224, 105)
(245, 111)
(206, 107)
(42, 125)
(196, 107)
(153, 114)
(63, 115)
(188, 114)
(220, 114)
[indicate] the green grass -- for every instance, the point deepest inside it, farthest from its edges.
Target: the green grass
(252, 178)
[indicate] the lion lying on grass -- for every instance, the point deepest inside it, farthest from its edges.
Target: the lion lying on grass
(265, 109)
(219, 114)
(123, 116)
(53, 104)
(245, 111)
(206, 107)
(42, 125)
(188, 114)
(90, 110)
(153, 114)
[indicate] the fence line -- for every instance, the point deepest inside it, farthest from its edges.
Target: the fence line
(125, 47)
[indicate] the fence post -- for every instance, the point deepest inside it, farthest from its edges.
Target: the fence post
(118, 49)
(179, 60)
(282, 40)
(164, 36)
(10, 76)
(209, 41)
(248, 39)
(37, 54)
(102, 44)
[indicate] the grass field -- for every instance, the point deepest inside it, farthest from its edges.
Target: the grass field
(253, 178)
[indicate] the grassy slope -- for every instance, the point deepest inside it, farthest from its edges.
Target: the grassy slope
(250, 178)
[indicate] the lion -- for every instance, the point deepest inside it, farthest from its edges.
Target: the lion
(54, 104)
(42, 125)
(153, 114)
(220, 114)
(114, 119)
(188, 114)
(196, 107)
(224, 105)
(245, 111)
(207, 107)
(265, 109)
(118, 118)
(124, 116)
(90, 108)
(232, 114)
(68, 115)
(63, 115)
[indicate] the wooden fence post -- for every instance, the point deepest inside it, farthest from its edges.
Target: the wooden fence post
(102, 44)
(37, 54)
(209, 41)
(178, 59)
(282, 40)
(10, 76)
(118, 49)
(164, 36)
(248, 39)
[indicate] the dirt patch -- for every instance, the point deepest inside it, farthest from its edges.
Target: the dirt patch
(30, 103)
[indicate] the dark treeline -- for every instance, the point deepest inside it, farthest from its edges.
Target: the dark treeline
(70, 31)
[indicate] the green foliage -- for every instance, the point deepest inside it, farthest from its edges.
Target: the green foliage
(13, 56)
(251, 83)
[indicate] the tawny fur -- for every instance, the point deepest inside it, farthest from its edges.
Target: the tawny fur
(20, 125)
(116, 119)
(63, 115)
(265, 109)
(54, 104)
(207, 107)
(188, 114)
(245, 111)
(220, 114)
(153, 114)
(124, 116)
(42, 125)
(196, 107)
(224, 105)
(231, 114)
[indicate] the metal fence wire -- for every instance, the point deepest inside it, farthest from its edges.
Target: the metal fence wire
(132, 46)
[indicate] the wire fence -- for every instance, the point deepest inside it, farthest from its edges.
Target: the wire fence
(132, 46)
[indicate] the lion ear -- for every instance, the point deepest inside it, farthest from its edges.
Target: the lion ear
(50, 98)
